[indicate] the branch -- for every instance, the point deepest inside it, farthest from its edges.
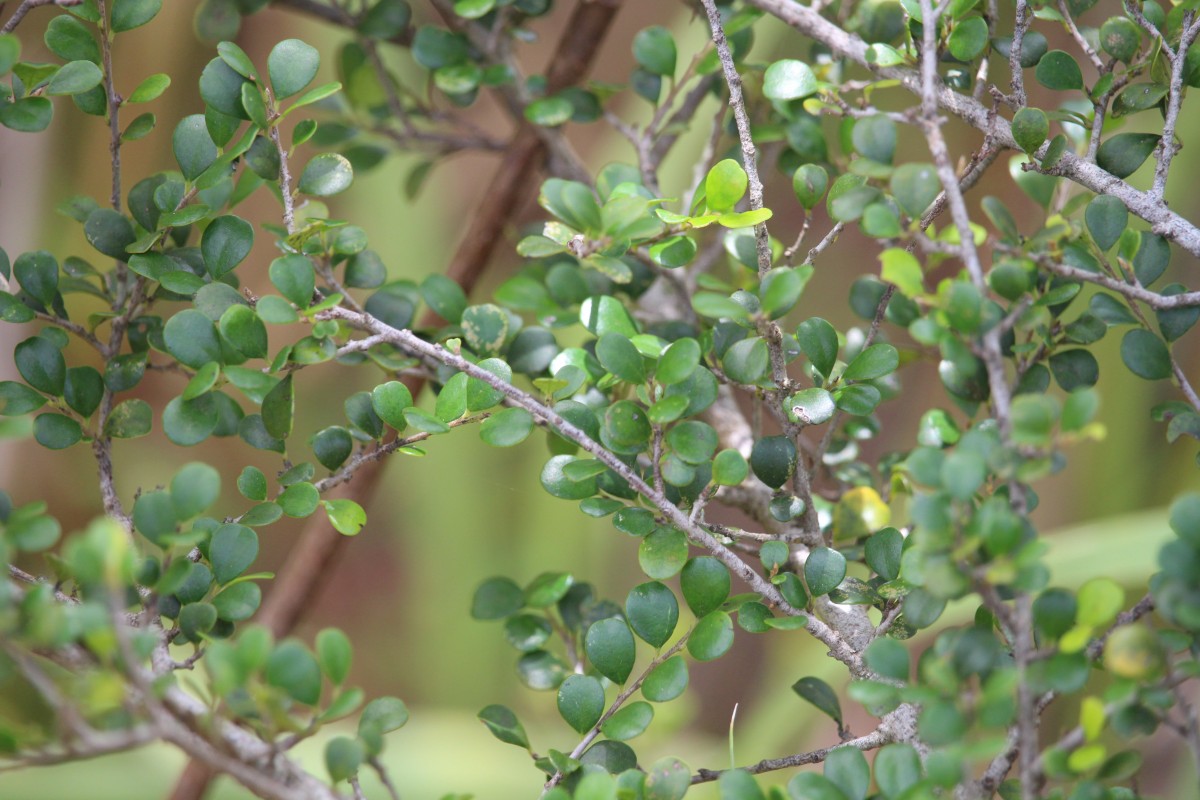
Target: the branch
(1145, 205)
(1159, 302)
(749, 153)
(409, 341)
(875, 739)
(28, 5)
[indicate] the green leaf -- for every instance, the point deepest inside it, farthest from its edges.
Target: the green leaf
(610, 648)
(824, 570)
(549, 112)
(1100, 600)
(292, 668)
(809, 182)
(194, 148)
(748, 361)
(109, 232)
(581, 701)
(130, 14)
(189, 422)
(17, 399)
(504, 725)
(345, 516)
(278, 408)
(876, 361)
(55, 431)
(293, 276)
(705, 583)
(299, 500)
(693, 441)
(221, 89)
(619, 356)
(233, 548)
(773, 459)
(67, 38)
(811, 786)
(326, 174)
(385, 19)
(252, 483)
(1106, 219)
(194, 488)
(875, 138)
(497, 598)
(27, 115)
(883, 552)
(897, 768)
(667, 778)
(725, 185)
(41, 364)
(667, 681)
(243, 329)
(654, 50)
(332, 446)
(75, 77)
(629, 722)
(386, 714)
(1030, 127)
(968, 39)
(653, 612)
(507, 427)
(1120, 38)
(678, 362)
(154, 515)
(847, 768)
(729, 468)
(1145, 354)
(334, 654)
(781, 289)
(1123, 153)
(1057, 70)
(789, 79)
(889, 658)
(902, 268)
(738, 784)
(818, 341)
(811, 406)
(292, 65)
(712, 637)
(444, 296)
(485, 328)
(343, 757)
(821, 695)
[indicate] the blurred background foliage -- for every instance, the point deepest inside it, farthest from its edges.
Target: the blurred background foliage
(444, 522)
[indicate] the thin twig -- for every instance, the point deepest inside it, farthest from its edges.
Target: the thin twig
(28, 5)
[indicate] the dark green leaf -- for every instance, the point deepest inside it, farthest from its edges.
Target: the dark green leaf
(824, 570)
(130, 14)
(497, 598)
(1123, 153)
(292, 668)
(75, 77)
(610, 648)
(1058, 70)
(654, 50)
(278, 408)
(705, 583)
(1030, 127)
(226, 243)
(233, 548)
(70, 40)
(1146, 355)
(504, 725)
(55, 431)
(712, 637)
(847, 768)
(292, 65)
(821, 695)
(889, 658)
(27, 115)
(1106, 219)
(653, 612)
(581, 701)
(41, 364)
(876, 361)
(773, 459)
(193, 146)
